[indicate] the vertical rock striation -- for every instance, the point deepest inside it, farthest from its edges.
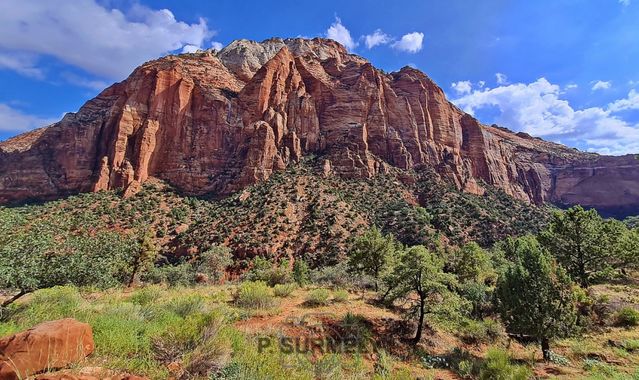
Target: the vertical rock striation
(216, 122)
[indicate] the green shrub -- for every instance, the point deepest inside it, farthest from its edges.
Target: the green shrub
(465, 368)
(340, 295)
(329, 367)
(597, 367)
(264, 270)
(301, 273)
(356, 331)
(212, 353)
(215, 261)
(185, 306)
(146, 295)
(484, 331)
(254, 295)
(336, 275)
(627, 317)
(172, 275)
(284, 290)
(497, 366)
(318, 297)
(384, 364)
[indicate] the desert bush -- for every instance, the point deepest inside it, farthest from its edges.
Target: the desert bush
(254, 295)
(384, 364)
(173, 275)
(336, 275)
(356, 331)
(479, 296)
(498, 366)
(265, 271)
(284, 290)
(185, 306)
(318, 297)
(627, 317)
(212, 353)
(329, 367)
(484, 331)
(340, 295)
(214, 261)
(146, 295)
(301, 273)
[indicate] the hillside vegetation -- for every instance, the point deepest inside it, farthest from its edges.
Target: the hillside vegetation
(375, 278)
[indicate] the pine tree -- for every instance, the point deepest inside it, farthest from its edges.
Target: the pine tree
(535, 297)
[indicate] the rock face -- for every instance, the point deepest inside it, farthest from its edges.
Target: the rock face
(55, 344)
(216, 122)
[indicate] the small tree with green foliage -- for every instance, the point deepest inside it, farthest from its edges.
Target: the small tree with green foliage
(372, 254)
(215, 261)
(145, 258)
(301, 273)
(472, 264)
(535, 297)
(34, 259)
(584, 243)
(419, 279)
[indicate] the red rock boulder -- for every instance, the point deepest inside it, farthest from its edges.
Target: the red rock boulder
(49, 345)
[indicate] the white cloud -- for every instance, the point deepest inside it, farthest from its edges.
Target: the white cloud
(501, 78)
(411, 42)
(24, 64)
(462, 87)
(12, 120)
(571, 86)
(629, 103)
(536, 108)
(377, 38)
(481, 83)
(190, 49)
(84, 82)
(625, 3)
(601, 85)
(217, 45)
(339, 33)
(105, 42)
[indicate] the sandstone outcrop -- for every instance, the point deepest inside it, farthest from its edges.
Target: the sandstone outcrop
(49, 345)
(218, 121)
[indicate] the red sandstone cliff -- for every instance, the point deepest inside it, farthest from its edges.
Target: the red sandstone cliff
(215, 122)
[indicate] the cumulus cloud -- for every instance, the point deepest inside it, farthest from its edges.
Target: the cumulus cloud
(537, 108)
(571, 86)
(629, 103)
(411, 42)
(338, 32)
(462, 87)
(377, 38)
(190, 49)
(12, 120)
(217, 45)
(501, 78)
(601, 85)
(105, 42)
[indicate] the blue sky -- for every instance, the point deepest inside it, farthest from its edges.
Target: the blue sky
(565, 70)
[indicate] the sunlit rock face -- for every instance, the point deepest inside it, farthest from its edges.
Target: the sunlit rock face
(219, 121)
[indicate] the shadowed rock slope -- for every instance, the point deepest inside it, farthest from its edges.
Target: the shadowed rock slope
(216, 122)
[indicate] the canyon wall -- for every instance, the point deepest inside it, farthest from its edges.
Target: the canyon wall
(219, 121)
